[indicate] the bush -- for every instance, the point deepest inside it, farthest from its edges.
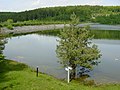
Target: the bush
(10, 27)
(10, 21)
(1, 57)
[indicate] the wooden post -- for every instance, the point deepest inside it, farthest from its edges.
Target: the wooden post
(37, 71)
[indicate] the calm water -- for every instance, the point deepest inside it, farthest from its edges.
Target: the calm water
(39, 50)
(98, 26)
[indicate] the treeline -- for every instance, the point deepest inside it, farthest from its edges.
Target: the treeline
(86, 13)
(111, 19)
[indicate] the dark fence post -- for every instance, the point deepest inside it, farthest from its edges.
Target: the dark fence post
(37, 71)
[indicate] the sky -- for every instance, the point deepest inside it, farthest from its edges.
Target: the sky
(23, 5)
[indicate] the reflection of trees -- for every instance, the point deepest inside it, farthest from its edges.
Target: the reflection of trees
(83, 74)
(106, 34)
(83, 71)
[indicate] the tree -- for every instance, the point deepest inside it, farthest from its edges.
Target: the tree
(75, 47)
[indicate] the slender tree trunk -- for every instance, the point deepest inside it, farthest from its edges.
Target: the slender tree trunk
(73, 72)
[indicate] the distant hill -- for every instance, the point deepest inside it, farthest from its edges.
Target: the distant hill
(101, 14)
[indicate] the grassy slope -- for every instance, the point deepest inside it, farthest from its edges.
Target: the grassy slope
(17, 76)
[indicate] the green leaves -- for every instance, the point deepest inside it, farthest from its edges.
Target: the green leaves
(1, 56)
(2, 43)
(75, 46)
(10, 21)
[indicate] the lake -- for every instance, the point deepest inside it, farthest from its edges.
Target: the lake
(39, 50)
(98, 26)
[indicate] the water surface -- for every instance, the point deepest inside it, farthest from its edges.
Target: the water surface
(39, 50)
(98, 26)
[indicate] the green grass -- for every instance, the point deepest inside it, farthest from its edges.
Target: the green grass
(18, 76)
(31, 22)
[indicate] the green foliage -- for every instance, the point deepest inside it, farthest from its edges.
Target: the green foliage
(36, 22)
(75, 46)
(111, 19)
(31, 22)
(9, 26)
(85, 13)
(1, 57)
(10, 21)
(2, 46)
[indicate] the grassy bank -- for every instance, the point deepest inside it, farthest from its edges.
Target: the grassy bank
(30, 23)
(18, 76)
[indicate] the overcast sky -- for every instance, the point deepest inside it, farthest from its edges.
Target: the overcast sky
(22, 5)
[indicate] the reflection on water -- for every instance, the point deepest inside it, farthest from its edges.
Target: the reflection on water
(35, 50)
(101, 26)
(108, 70)
(106, 34)
(39, 50)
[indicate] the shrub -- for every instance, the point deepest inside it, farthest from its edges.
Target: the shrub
(1, 57)
(10, 27)
(10, 21)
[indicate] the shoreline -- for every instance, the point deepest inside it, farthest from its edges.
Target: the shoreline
(36, 28)
(31, 69)
(31, 29)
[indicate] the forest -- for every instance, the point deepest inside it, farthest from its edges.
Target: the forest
(97, 14)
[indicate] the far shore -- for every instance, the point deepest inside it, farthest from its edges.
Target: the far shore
(30, 29)
(35, 28)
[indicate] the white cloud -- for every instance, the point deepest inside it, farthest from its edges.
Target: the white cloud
(94, 2)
